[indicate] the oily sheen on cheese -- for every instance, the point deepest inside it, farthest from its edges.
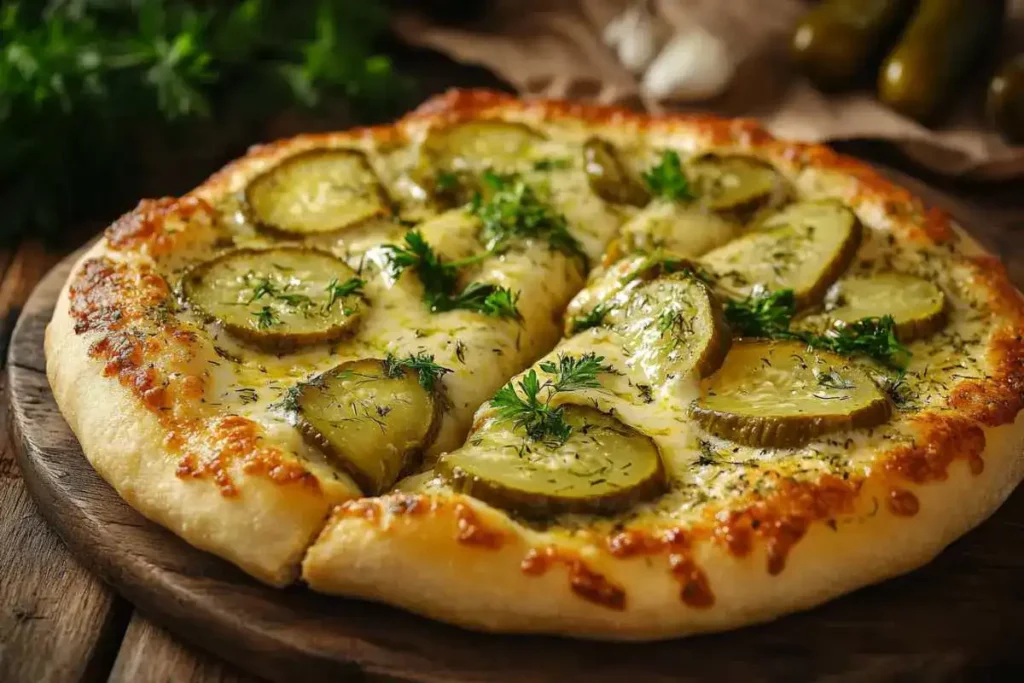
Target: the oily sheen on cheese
(676, 376)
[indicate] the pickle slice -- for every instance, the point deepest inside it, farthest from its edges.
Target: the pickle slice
(805, 247)
(608, 178)
(478, 145)
(917, 306)
(277, 298)
(671, 325)
(372, 421)
(782, 395)
(603, 467)
(683, 230)
(315, 192)
(736, 185)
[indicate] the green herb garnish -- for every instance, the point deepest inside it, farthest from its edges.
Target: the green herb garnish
(79, 77)
(440, 280)
(871, 337)
(353, 285)
(429, 372)
(526, 408)
(770, 314)
(666, 179)
(266, 318)
(513, 211)
(592, 318)
(764, 314)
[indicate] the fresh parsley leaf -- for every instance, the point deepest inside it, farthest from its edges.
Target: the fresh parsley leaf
(440, 280)
(538, 419)
(513, 211)
(871, 337)
(430, 373)
(769, 314)
(666, 179)
(762, 314)
(576, 372)
(526, 408)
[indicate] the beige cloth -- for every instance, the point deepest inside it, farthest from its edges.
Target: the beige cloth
(553, 48)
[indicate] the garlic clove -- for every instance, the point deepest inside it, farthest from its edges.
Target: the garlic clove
(694, 65)
(634, 36)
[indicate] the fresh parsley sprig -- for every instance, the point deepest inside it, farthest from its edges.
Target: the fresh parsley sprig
(429, 372)
(666, 178)
(762, 314)
(770, 315)
(440, 280)
(871, 337)
(513, 211)
(527, 409)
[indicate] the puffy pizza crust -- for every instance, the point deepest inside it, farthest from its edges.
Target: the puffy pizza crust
(458, 560)
(265, 531)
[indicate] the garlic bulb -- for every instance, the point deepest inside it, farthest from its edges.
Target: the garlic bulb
(634, 36)
(694, 65)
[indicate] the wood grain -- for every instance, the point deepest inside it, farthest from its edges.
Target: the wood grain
(960, 618)
(149, 654)
(58, 622)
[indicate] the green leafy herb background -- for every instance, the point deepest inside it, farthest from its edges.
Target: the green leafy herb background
(84, 82)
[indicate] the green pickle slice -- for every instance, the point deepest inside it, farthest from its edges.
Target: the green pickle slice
(607, 176)
(316, 192)
(736, 185)
(671, 325)
(604, 466)
(478, 145)
(779, 394)
(917, 306)
(278, 298)
(371, 422)
(805, 247)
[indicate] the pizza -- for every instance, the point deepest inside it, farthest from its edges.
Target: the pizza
(541, 366)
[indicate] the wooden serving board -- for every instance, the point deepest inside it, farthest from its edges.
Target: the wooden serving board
(959, 618)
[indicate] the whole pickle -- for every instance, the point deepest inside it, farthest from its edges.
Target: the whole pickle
(839, 42)
(1006, 100)
(943, 41)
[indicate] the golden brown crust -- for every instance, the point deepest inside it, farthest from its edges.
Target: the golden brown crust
(456, 559)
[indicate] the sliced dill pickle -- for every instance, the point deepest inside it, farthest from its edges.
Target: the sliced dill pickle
(779, 394)
(277, 298)
(604, 466)
(374, 421)
(917, 306)
(672, 325)
(607, 176)
(736, 185)
(479, 145)
(316, 192)
(683, 230)
(805, 247)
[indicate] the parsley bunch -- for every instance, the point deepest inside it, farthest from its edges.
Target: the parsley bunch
(84, 84)
(512, 210)
(525, 407)
(440, 280)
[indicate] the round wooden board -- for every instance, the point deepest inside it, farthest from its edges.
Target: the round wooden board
(959, 618)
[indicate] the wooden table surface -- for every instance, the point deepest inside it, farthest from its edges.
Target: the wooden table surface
(59, 623)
